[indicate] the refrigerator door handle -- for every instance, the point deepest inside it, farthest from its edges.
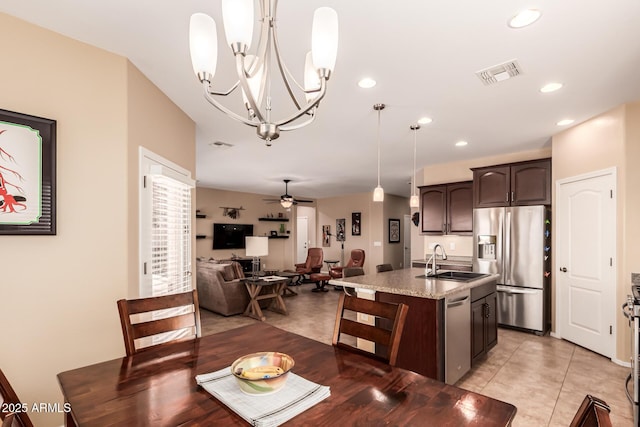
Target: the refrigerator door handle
(506, 263)
(510, 290)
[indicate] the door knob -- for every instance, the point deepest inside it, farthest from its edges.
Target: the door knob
(563, 269)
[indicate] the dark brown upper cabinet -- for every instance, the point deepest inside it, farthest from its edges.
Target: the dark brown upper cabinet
(515, 184)
(447, 209)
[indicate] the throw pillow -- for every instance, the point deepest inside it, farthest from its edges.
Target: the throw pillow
(228, 273)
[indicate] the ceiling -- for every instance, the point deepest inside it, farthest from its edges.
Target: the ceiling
(423, 55)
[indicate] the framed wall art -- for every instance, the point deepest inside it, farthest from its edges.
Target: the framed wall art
(340, 231)
(27, 174)
(356, 223)
(326, 236)
(394, 230)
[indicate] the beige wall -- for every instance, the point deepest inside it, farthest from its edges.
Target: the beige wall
(395, 207)
(59, 292)
(157, 124)
(608, 140)
(461, 171)
(372, 229)
(209, 200)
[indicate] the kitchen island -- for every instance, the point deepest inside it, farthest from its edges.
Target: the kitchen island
(423, 347)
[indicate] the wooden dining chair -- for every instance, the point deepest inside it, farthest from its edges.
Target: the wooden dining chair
(383, 267)
(9, 399)
(387, 340)
(593, 412)
(150, 322)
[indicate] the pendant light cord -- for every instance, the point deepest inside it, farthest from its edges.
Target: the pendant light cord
(378, 148)
(413, 178)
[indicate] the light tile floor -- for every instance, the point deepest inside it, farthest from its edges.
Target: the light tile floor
(545, 378)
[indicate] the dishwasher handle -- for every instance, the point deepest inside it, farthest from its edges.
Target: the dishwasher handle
(456, 302)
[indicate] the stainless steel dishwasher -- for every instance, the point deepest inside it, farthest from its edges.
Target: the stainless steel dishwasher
(457, 336)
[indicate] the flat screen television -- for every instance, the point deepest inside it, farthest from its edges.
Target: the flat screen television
(231, 236)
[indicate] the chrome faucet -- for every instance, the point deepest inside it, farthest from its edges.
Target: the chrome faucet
(434, 265)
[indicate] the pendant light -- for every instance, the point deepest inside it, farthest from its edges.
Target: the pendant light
(413, 201)
(378, 193)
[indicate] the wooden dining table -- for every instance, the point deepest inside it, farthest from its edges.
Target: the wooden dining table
(157, 387)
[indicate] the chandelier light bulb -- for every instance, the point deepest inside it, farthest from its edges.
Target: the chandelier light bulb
(324, 38)
(203, 45)
(255, 81)
(237, 16)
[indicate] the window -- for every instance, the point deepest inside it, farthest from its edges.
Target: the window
(165, 233)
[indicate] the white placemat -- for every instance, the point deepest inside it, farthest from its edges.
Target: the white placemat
(297, 395)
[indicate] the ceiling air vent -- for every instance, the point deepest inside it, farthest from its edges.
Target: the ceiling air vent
(499, 72)
(220, 145)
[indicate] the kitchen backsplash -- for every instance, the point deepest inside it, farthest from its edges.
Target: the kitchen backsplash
(453, 245)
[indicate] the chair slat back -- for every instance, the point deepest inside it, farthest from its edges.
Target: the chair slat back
(383, 267)
(389, 340)
(593, 412)
(135, 330)
(9, 396)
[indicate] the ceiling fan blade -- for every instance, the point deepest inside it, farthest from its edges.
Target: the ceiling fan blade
(303, 201)
(271, 200)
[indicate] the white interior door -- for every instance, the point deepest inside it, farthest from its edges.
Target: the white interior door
(585, 260)
(302, 238)
(406, 241)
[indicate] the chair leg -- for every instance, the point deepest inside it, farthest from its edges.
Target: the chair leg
(320, 284)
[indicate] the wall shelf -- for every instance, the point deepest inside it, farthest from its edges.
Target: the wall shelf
(200, 236)
(278, 237)
(201, 216)
(274, 219)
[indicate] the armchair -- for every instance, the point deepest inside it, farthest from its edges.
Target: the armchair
(313, 264)
(356, 260)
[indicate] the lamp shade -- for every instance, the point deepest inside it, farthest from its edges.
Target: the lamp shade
(203, 44)
(286, 202)
(237, 16)
(324, 38)
(378, 194)
(414, 202)
(257, 246)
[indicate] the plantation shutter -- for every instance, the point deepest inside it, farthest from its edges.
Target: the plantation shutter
(170, 236)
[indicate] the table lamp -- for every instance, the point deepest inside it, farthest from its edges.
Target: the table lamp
(256, 247)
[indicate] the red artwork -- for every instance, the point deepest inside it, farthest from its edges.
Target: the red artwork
(9, 202)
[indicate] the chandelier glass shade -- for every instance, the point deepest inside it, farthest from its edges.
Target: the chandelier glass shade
(414, 202)
(378, 192)
(254, 71)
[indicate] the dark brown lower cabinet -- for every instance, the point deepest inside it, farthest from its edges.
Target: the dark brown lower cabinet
(484, 325)
(422, 343)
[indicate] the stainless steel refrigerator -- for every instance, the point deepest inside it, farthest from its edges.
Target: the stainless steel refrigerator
(515, 242)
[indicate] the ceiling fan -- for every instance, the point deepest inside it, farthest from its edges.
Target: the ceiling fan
(286, 200)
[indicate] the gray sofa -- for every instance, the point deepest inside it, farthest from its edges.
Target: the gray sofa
(219, 287)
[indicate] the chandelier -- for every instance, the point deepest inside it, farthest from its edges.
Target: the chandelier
(254, 71)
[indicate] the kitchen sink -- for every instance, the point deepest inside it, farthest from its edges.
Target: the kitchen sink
(460, 276)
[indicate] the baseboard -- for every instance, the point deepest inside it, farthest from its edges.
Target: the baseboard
(620, 362)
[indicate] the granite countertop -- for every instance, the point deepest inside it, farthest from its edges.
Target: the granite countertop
(404, 282)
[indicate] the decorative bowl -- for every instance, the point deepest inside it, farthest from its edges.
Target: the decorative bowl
(262, 373)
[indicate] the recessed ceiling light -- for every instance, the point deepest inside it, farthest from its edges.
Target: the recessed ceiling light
(461, 143)
(425, 120)
(367, 83)
(524, 18)
(550, 87)
(565, 122)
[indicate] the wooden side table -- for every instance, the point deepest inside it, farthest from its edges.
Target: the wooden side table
(274, 294)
